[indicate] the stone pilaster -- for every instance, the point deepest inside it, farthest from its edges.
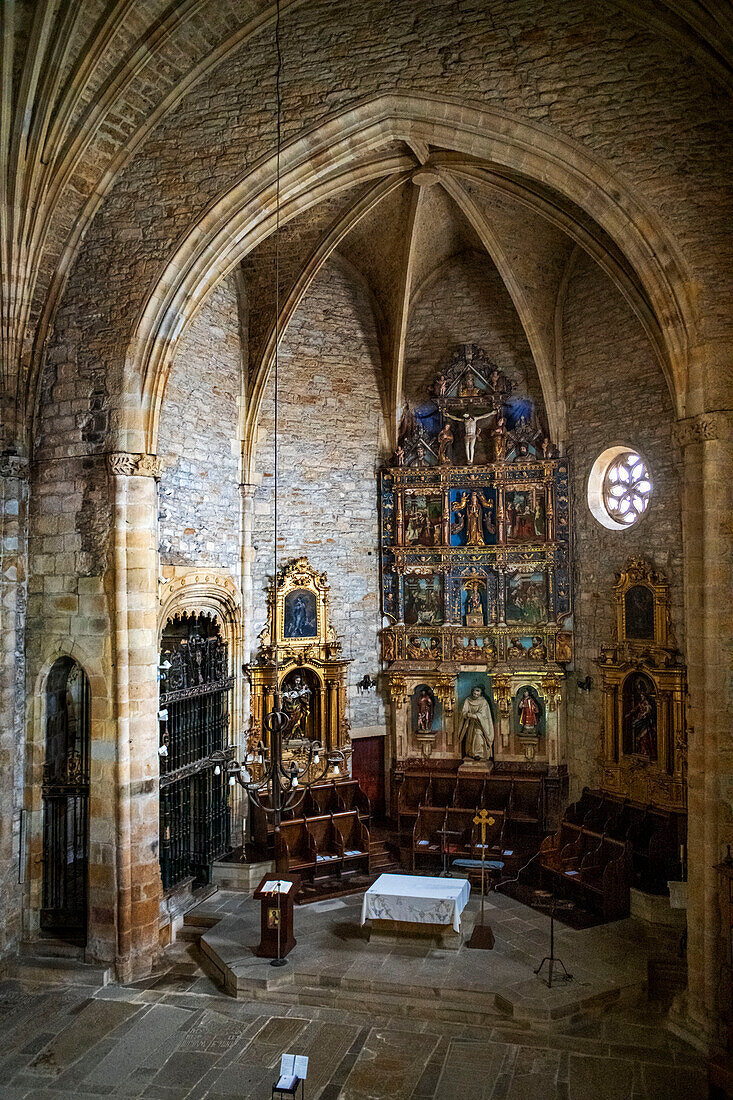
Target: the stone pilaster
(706, 443)
(13, 598)
(136, 704)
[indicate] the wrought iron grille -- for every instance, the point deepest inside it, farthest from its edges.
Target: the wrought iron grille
(65, 795)
(194, 722)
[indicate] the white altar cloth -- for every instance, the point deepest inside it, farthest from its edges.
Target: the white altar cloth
(416, 898)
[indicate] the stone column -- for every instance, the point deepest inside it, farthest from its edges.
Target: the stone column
(706, 440)
(136, 704)
(13, 595)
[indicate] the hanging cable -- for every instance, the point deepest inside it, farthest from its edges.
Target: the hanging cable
(278, 101)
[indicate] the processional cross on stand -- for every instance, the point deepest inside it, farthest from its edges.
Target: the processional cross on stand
(483, 936)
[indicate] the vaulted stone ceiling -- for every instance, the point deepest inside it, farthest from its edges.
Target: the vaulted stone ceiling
(84, 84)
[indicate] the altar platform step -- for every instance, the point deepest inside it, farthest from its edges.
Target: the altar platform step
(335, 965)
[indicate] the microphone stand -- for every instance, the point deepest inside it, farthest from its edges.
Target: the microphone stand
(550, 959)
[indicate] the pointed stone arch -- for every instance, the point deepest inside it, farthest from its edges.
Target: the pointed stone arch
(346, 150)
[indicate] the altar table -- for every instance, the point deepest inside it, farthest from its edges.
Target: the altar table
(416, 899)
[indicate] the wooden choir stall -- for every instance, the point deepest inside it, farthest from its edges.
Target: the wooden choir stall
(631, 832)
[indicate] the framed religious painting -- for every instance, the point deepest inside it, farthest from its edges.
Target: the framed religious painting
(525, 516)
(300, 614)
(423, 520)
(526, 598)
(423, 600)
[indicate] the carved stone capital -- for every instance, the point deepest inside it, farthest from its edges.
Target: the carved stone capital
(14, 466)
(697, 429)
(149, 466)
(127, 464)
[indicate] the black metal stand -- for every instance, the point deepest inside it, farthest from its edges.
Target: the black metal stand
(550, 959)
(444, 833)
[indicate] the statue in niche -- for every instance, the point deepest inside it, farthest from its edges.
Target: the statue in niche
(498, 438)
(425, 711)
(473, 509)
(515, 648)
(471, 432)
(445, 444)
(474, 607)
(468, 385)
(537, 651)
(641, 718)
(528, 713)
(477, 726)
(296, 704)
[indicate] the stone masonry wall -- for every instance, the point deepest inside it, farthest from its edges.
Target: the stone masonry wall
(13, 600)
(616, 393)
(329, 426)
(466, 304)
(625, 95)
(199, 496)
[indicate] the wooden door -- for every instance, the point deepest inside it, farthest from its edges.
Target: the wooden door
(367, 765)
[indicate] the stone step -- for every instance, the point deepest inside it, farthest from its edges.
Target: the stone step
(43, 969)
(52, 949)
(394, 1005)
(445, 1006)
(370, 988)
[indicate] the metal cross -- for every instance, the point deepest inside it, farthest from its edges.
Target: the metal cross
(483, 819)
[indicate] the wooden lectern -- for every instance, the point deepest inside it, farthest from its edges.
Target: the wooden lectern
(277, 893)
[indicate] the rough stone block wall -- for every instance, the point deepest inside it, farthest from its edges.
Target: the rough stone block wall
(13, 601)
(199, 496)
(616, 393)
(466, 304)
(329, 432)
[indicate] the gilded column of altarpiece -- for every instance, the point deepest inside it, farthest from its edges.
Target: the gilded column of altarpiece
(476, 570)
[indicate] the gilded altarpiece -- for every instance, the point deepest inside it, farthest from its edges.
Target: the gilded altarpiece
(644, 694)
(476, 572)
(310, 672)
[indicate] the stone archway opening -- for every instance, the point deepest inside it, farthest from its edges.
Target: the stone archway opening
(65, 797)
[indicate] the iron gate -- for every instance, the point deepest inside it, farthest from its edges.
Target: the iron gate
(194, 723)
(65, 794)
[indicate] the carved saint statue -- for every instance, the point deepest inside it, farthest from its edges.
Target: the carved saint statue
(470, 432)
(296, 703)
(425, 711)
(537, 651)
(498, 438)
(528, 713)
(643, 724)
(473, 507)
(474, 607)
(477, 726)
(445, 444)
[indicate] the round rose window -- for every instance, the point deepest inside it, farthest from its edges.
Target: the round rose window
(619, 487)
